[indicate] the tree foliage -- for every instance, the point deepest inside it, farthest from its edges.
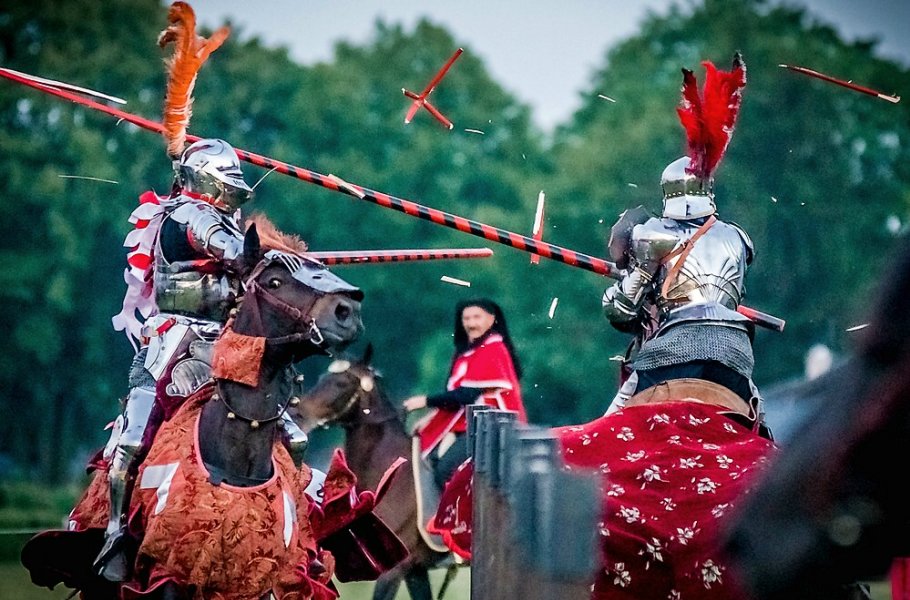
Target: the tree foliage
(815, 174)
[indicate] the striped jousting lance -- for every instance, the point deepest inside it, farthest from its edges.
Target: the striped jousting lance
(356, 257)
(331, 182)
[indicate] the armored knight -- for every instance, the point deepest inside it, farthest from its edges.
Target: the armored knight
(685, 270)
(185, 252)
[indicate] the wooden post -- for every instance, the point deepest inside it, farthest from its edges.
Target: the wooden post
(478, 433)
(555, 515)
(534, 532)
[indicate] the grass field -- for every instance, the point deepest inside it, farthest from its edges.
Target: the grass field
(16, 585)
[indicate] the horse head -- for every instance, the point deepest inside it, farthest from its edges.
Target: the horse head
(292, 307)
(296, 303)
(347, 394)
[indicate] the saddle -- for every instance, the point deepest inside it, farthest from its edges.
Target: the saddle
(698, 390)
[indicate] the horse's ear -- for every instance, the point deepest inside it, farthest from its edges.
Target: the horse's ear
(252, 251)
(367, 354)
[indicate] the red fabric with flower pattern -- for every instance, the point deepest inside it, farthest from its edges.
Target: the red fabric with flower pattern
(229, 543)
(672, 473)
(454, 520)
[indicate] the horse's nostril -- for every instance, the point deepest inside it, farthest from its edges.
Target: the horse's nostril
(342, 311)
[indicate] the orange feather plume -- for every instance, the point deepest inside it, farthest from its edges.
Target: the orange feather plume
(709, 117)
(190, 51)
(272, 238)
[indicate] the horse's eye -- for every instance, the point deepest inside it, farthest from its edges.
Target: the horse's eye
(274, 283)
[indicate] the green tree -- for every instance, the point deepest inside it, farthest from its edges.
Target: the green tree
(62, 368)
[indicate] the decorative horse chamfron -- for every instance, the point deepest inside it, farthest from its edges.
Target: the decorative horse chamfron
(219, 508)
(350, 395)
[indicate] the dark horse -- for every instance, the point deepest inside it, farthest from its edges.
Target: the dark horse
(834, 507)
(349, 395)
(292, 308)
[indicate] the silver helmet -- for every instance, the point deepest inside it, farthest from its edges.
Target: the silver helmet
(686, 196)
(211, 168)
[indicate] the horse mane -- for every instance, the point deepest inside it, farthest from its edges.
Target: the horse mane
(271, 238)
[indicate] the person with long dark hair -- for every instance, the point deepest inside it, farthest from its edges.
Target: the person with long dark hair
(484, 369)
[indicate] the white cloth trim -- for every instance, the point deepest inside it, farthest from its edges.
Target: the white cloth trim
(290, 518)
(446, 430)
(500, 384)
(317, 483)
(160, 477)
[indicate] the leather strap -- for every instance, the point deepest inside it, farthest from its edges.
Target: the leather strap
(682, 252)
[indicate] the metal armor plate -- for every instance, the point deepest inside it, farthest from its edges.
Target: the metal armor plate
(714, 270)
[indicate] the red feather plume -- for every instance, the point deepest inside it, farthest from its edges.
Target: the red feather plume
(709, 117)
(190, 51)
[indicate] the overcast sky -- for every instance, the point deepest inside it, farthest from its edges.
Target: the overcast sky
(544, 52)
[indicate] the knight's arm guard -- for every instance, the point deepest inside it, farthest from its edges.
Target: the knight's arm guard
(623, 300)
(650, 242)
(211, 232)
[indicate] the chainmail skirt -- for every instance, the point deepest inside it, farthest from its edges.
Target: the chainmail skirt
(688, 342)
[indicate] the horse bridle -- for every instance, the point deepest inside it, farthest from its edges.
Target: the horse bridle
(256, 292)
(365, 385)
(312, 334)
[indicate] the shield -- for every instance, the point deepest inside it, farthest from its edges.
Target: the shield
(621, 234)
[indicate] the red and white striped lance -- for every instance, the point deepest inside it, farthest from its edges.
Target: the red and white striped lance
(420, 211)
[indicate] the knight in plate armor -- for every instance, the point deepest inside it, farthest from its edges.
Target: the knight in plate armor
(183, 278)
(182, 281)
(685, 270)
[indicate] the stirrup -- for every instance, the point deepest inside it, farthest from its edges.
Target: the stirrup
(112, 563)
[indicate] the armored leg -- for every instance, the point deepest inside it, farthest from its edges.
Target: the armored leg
(296, 440)
(111, 562)
(626, 391)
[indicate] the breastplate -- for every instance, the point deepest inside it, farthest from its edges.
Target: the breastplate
(713, 271)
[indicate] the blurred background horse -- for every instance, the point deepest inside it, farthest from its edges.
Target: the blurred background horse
(350, 394)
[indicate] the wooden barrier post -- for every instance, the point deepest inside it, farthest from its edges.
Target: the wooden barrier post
(486, 509)
(555, 515)
(478, 429)
(498, 519)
